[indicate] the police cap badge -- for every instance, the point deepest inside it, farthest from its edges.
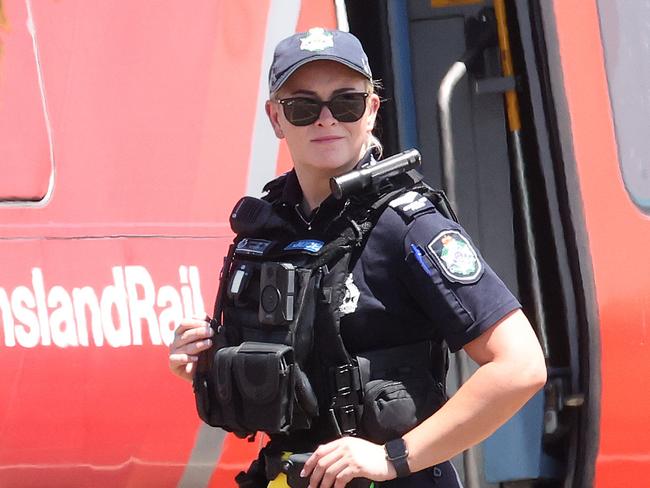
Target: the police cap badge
(316, 44)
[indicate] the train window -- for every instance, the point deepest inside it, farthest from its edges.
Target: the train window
(625, 31)
(26, 161)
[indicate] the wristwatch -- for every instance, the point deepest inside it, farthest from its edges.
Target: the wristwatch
(396, 453)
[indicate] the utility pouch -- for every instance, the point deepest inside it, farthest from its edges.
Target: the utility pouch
(255, 386)
(393, 407)
(264, 377)
(400, 390)
(388, 410)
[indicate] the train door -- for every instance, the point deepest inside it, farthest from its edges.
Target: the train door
(466, 83)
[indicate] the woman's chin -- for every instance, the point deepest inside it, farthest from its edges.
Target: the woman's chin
(333, 161)
(335, 167)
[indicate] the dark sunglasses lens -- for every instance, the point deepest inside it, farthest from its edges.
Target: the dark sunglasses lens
(301, 111)
(348, 107)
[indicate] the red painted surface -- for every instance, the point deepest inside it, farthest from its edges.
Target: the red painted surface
(150, 107)
(619, 239)
(91, 415)
(152, 117)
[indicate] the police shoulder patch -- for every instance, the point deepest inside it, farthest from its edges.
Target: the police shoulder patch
(456, 257)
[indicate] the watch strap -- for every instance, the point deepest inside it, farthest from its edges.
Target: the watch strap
(397, 454)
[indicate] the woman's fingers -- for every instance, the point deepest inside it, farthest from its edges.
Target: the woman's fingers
(179, 359)
(192, 336)
(319, 453)
(182, 365)
(193, 347)
(319, 464)
(334, 474)
(344, 477)
(190, 330)
(336, 463)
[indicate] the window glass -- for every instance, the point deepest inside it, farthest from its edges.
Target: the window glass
(25, 163)
(625, 29)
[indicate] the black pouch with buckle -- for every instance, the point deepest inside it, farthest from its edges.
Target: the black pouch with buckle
(400, 390)
(253, 386)
(263, 378)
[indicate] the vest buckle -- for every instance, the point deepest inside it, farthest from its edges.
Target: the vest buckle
(347, 379)
(347, 398)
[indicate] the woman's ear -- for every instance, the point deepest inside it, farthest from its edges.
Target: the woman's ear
(373, 108)
(273, 115)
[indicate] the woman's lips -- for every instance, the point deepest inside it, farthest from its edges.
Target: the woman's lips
(326, 139)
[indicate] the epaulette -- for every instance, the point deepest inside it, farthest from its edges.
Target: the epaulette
(410, 204)
(422, 199)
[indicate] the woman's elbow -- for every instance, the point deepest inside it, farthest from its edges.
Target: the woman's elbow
(528, 357)
(533, 372)
(538, 376)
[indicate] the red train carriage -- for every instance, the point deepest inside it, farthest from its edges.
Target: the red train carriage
(128, 130)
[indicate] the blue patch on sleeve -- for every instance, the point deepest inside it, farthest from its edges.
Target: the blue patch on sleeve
(309, 245)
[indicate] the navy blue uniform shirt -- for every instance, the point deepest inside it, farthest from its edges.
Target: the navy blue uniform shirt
(418, 277)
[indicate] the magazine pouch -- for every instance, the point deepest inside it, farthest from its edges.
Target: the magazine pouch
(262, 377)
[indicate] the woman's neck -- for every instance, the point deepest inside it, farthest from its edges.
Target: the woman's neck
(315, 182)
(315, 189)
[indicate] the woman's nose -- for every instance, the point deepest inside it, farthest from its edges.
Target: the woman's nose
(325, 117)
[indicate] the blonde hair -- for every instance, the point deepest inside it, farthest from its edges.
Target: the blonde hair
(373, 141)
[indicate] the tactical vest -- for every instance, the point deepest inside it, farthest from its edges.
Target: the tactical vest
(278, 363)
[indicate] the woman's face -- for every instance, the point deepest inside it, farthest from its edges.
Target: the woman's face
(326, 146)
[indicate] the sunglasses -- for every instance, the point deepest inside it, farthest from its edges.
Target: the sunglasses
(345, 107)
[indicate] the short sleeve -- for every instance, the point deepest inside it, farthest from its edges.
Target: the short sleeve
(451, 282)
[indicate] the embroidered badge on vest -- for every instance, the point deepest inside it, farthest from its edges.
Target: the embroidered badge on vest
(351, 298)
(308, 245)
(255, 247)
(316, 40)
(455, 257)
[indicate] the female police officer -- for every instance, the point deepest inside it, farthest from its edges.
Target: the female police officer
(417, 278)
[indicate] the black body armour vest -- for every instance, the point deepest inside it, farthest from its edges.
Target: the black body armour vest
(278, 363)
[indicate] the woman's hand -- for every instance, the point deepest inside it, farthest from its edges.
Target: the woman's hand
(190, 338)
(337, 463)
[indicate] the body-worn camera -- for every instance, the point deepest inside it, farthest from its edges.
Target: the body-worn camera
(277, 290)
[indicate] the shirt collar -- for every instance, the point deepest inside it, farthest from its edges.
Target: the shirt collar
(292, 192)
